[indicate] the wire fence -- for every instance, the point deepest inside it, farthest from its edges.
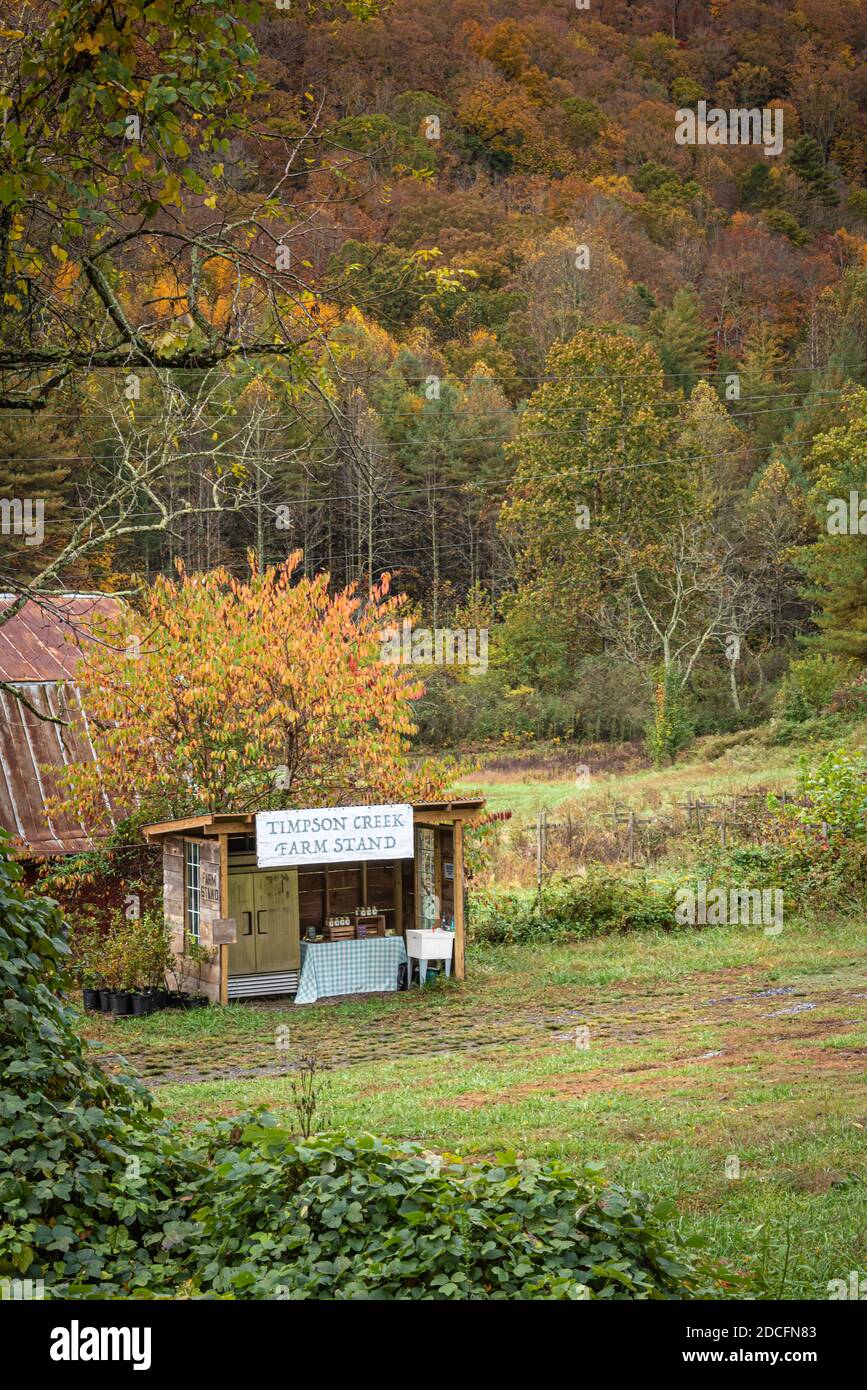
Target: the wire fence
(641, 839)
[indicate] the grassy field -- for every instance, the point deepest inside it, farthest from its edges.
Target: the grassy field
(703, 1044)
(547, 778)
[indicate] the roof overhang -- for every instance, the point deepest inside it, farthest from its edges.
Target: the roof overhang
(244, 822)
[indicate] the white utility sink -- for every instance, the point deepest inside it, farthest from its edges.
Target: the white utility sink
(423, 944)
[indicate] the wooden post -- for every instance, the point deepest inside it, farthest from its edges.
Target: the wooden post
(460, 962)
(224, 912)
(630, 838)
(722, 831)
(397, 872)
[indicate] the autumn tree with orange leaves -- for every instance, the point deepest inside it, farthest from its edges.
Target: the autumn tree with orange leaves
(235, 694)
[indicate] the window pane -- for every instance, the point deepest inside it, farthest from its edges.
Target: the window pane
(194, 896)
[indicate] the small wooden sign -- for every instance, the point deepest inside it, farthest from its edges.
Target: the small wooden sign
(225, 931)
(210, 886)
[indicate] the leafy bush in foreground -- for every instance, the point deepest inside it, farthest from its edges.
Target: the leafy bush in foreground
(340, 1217)
(71, 1137)
(101, 1198)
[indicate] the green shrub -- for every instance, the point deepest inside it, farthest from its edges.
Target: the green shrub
(572, 908)
(343, 1218)
(809, 685)
(71, 1137)
(121, 952)
(837, 789)
(821, 729)
(818, 872)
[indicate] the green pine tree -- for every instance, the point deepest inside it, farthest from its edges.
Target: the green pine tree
(681, 339)
(806, 159)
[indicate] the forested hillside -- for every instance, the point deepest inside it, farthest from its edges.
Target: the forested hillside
(563, 377)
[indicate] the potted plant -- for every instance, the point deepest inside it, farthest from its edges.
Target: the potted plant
(157, 959)
(112, 972)
(136, 966)
(178, 997)
(198, 955)
(85, 945)
(91, 991)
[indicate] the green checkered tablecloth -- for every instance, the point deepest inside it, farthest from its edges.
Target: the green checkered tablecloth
(349, 967)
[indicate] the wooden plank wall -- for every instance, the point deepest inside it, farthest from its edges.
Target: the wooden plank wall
(336, 890)
(174, 851)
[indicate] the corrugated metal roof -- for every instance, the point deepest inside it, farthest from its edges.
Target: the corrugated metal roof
(39, 648)
(43, 641)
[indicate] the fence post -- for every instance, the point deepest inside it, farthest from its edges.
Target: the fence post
(541, 846)
(630, 837)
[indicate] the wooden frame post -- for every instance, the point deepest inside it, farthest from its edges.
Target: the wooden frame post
(224, 912)
(397, 875)
(460, 962)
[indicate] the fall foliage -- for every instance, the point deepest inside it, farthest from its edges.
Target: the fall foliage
(239, 694)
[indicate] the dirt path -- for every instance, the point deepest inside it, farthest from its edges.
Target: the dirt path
(782, 1025)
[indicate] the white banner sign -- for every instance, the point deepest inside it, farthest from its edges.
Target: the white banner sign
(333, 835)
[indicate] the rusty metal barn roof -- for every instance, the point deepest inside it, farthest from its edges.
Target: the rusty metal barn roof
(43, 641)
(39, 649)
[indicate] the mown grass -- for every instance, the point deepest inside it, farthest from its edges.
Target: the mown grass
(703, 1044)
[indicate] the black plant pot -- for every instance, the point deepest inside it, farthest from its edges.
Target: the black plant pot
(142, 1004)
(121, 1002)
(91, 999)
(178, 999)
(105, 1000)
(161, 997)
(194, 1001)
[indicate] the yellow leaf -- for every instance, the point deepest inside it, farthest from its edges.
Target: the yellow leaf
(91, 43)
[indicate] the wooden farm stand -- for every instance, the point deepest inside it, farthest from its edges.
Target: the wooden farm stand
(215, 890)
